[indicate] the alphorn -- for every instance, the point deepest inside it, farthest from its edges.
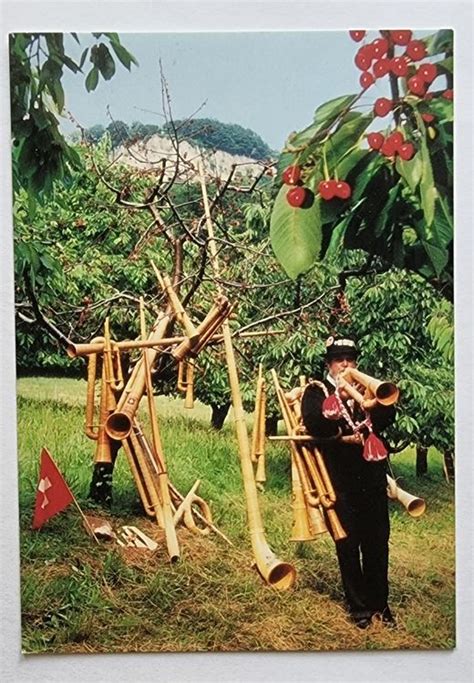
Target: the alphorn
(315, 480)
(110, 381)
(151, 469)
(181, 315)
(376, 391)
(170, 530)
(97, 346)
(276, 573)
(119, 423)
(308, 519)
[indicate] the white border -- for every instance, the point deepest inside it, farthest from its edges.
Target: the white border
(194, 15)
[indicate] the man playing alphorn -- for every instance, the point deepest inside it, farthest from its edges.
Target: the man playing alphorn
(357, 466)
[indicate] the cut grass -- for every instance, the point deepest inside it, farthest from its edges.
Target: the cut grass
(81, 597)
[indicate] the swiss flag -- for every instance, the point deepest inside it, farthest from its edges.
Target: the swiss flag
(53, 494)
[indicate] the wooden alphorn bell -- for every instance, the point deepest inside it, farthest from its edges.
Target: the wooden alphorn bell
(308, 520)
(413, 505)
(119, 423)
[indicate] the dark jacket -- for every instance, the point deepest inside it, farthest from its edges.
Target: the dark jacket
(347, 468)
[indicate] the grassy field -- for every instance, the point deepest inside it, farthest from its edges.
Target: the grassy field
(78, 596)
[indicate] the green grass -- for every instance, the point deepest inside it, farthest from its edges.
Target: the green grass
(78, 596)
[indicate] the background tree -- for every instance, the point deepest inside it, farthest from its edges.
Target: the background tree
(41, 154)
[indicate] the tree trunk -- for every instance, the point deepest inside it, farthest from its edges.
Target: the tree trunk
(421, 460)
(271, 425)
(448, 465)
(100, 490)
(219, 414)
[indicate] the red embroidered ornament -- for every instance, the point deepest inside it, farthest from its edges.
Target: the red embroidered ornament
(374, 448)
(331, 407)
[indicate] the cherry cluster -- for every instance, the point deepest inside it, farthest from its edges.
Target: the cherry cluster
(297, 196)
(374, 56)
(328, 189)
(391, 145)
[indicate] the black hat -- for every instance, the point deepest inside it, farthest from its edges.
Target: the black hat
(340, 346)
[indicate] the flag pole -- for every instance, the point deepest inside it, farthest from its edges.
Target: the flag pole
(86, 521)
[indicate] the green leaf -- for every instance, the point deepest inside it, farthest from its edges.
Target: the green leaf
(295, 234)
(346, 137)
(443, 109)
(381, 219)
(58, 94)
(105, 62)
(411, 171)
(83, 58)
(438, 42)
(443, 222)
(336, 243)
(92, 79)
(375, 164)
(428, 192)
(123, 55)
(350, 160)
(438, 256)
(445, 66)
(71, 64)
(328, 112)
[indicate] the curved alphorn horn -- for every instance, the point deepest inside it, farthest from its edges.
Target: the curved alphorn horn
(170, 530)
(385, 393)
(278, 574)
(414, 506)
(119, 423)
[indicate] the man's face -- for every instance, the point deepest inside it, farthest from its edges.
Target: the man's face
(340, 363)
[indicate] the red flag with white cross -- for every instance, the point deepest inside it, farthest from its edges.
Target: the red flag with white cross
(53, 494)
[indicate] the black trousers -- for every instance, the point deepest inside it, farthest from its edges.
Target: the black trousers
(363, 555)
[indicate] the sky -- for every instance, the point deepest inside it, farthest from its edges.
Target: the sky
(270, 82)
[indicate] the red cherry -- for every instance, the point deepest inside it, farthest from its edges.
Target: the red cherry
(428, 118)
(429, 96)
(416, 49)
(375, 140)
(448, 94)
(357, 35)
(343, 190)
(381, 67)
(406, 151)
(417, 85)
(379, 47)
(427, 72)
(395, 139)
(296, 196)
(401, 37)
(327, 189)
(291, 175)
(366, 80)
(362, 59)
(399, 66)
(388, 148)
(382, 106)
